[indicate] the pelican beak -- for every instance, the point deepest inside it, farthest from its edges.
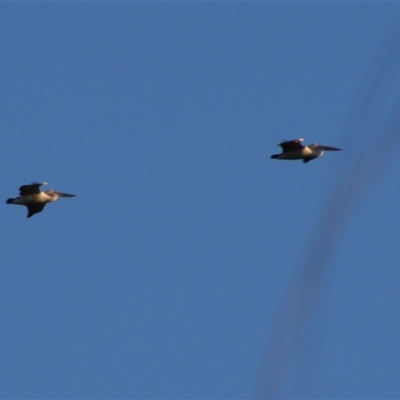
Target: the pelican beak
(65, 194)
(328, 148)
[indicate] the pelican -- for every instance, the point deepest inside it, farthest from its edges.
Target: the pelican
(294, 150)
(34, 199)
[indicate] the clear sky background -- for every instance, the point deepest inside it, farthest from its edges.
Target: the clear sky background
(164, 277)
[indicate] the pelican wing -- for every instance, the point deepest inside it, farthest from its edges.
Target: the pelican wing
(292, 145)
(35, 208)
(33, 188)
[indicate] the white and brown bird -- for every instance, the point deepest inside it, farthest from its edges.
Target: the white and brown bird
(294, 150)
(34, 199)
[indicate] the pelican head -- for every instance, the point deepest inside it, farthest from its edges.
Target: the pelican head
(55, 195)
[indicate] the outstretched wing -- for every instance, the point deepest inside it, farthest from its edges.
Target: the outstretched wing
(33, 188)
(34, 209)
(292, 145)
(310, 157)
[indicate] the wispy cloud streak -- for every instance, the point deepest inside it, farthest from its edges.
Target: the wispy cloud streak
(371, 141)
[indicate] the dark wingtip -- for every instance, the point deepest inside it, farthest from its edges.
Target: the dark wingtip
(9, 201)
(274, 156)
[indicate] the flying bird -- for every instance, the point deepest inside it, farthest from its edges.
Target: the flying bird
(34, 199)
(294, 150)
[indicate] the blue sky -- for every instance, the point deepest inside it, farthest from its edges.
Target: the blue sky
(164, 277)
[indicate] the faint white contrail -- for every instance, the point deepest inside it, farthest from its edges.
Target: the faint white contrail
(372, 140)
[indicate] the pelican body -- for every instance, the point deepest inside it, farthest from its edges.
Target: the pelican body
(34, 199)
(294, 150)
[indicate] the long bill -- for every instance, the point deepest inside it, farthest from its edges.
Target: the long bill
(65, 194)
(328, 148)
